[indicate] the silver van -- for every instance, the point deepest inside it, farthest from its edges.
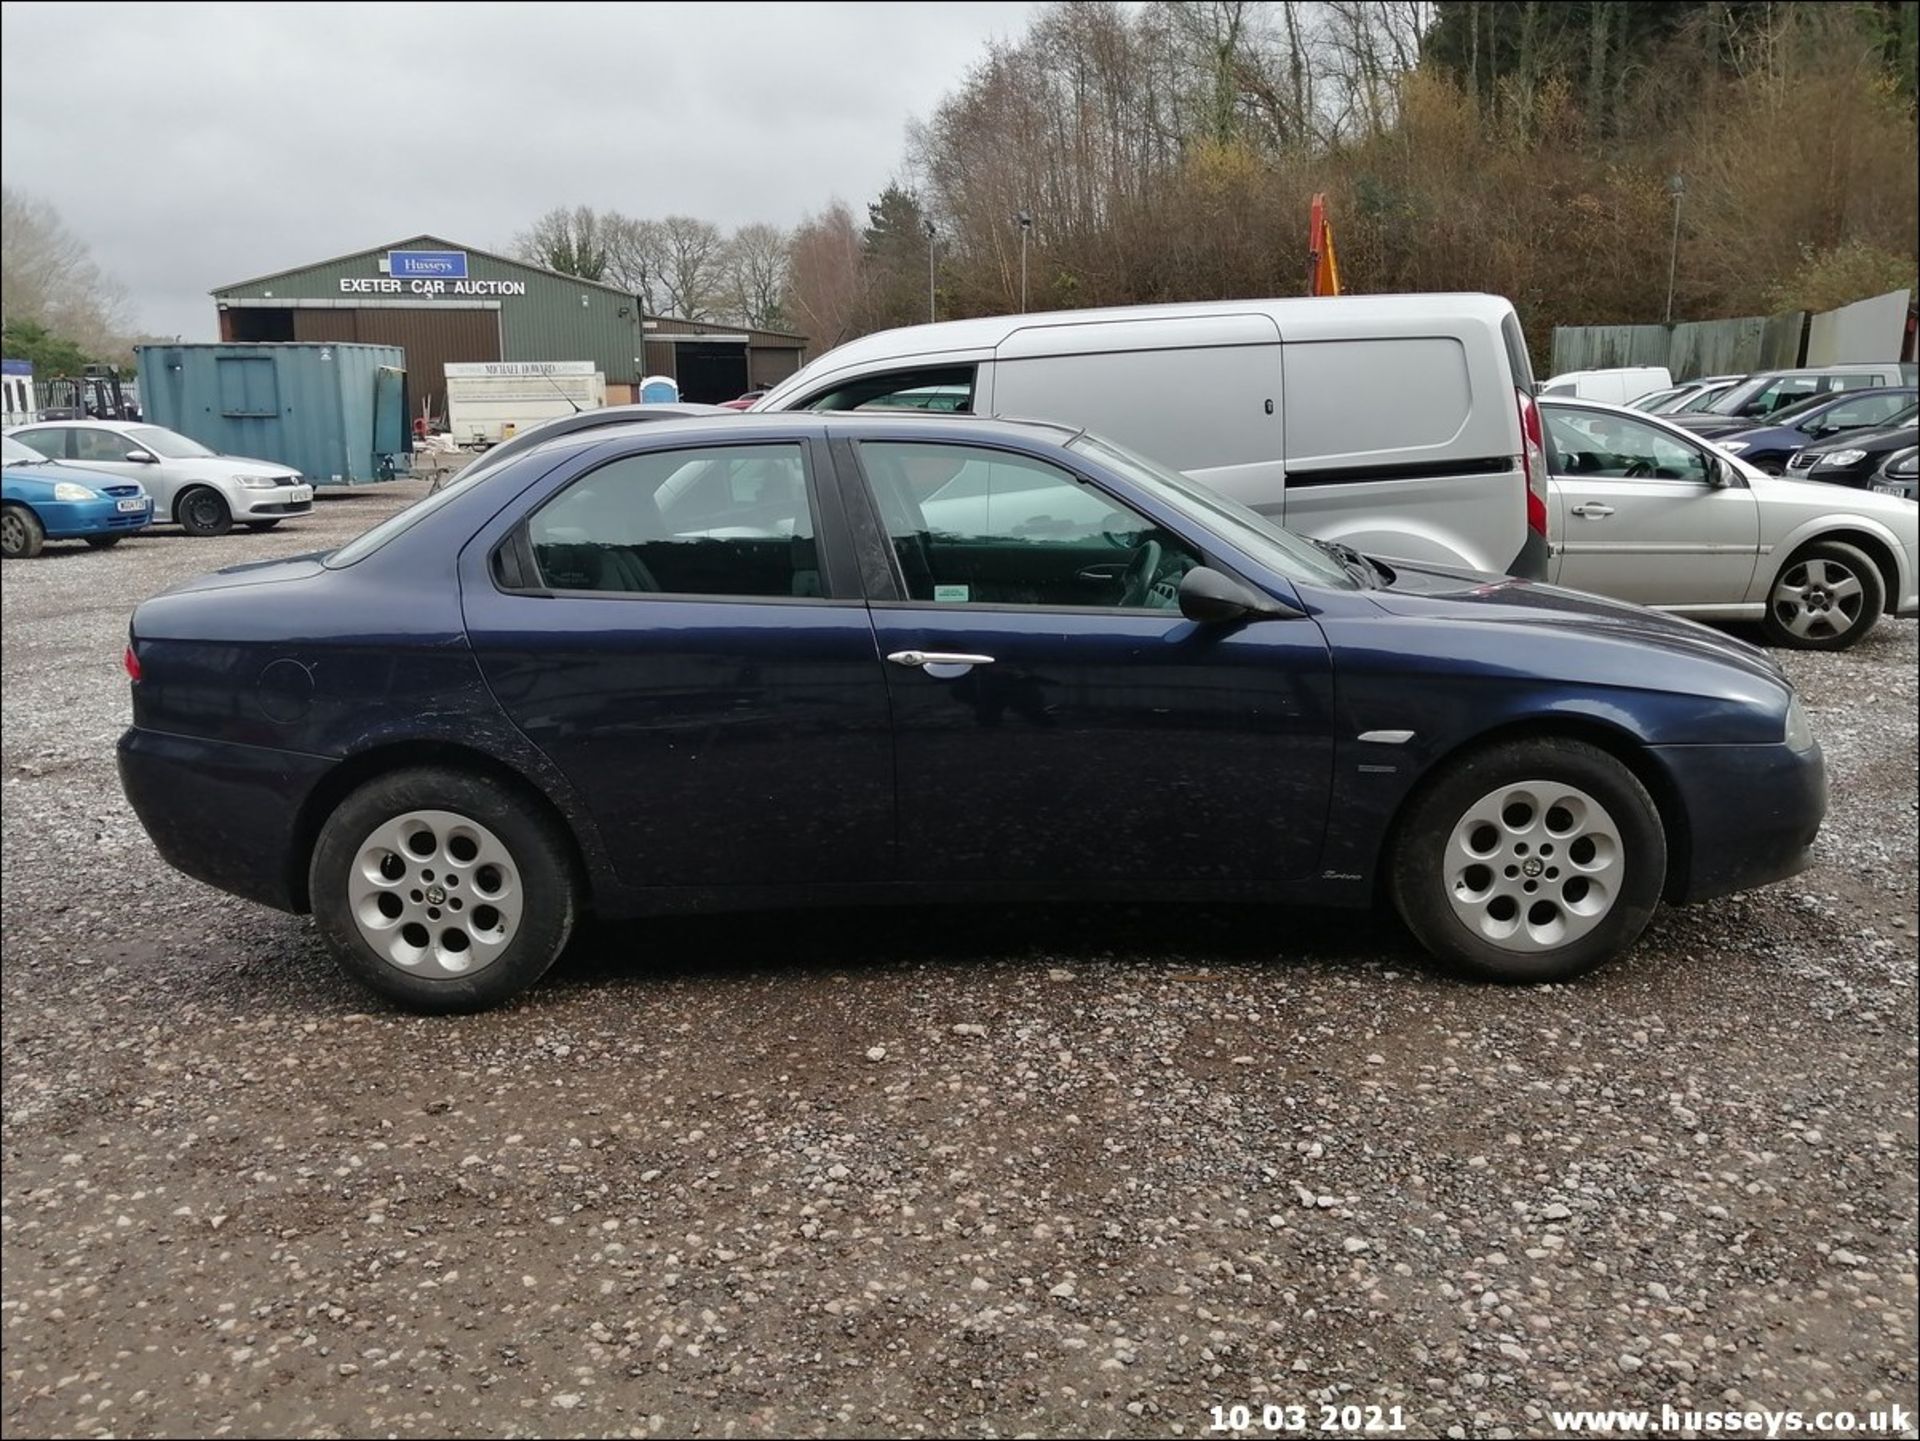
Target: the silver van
(1402, 425)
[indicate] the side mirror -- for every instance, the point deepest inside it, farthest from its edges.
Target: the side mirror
(1210, 598)
(1720, 473)
(141, 457)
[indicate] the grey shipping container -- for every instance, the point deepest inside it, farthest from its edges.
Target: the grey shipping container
(337, 413)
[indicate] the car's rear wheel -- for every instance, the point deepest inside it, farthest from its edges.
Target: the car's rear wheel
(21, 534)
(1825, 598)
(443, 890)
(204, 511)
(1530, 860)
(104, 542)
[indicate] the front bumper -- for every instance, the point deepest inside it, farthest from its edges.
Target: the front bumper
(1752, 813)
(72, 519)
(226, 814)
(268, 503)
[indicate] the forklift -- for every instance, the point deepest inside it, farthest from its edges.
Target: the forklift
(94, 394)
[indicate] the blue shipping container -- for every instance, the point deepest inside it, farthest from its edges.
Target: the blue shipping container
(337, 413)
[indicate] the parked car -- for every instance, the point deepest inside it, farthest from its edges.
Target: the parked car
(203, 492)
(1770, 445)
(1648, 512)
(741, 402)
(596, 419)
(1899, 475)
(1271, 402)
(721, 664)
(1688, 393)
(1855, 458)
(1618, 385)
(42, 501)
(1763, 393)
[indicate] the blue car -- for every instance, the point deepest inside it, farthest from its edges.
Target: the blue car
(800, 658)
(43, 500)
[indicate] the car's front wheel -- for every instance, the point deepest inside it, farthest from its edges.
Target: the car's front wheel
(1825, 598)
(21, 534)
(1530, 860)
(443, 890)
(204, 511)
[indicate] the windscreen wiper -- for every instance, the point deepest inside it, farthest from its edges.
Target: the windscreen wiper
(1353, 562)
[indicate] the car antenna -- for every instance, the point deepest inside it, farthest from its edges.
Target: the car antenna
(548, 376)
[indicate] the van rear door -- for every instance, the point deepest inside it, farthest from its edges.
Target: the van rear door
(1198, 393)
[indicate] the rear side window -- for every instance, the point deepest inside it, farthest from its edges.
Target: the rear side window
(50, 443)
(1355, 397)
(731, 520)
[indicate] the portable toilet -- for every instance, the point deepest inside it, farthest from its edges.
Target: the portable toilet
(659, 390)
(337, 413)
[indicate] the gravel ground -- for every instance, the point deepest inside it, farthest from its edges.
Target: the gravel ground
(1049, 1171)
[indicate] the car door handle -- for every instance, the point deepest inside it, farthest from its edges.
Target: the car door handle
(937, 657)
(1594, 510)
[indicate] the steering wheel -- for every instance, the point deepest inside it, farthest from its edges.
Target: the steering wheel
(1639, 467)
(1142, 569)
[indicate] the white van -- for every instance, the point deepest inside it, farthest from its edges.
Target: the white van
(1620, 385)
(1402, 425)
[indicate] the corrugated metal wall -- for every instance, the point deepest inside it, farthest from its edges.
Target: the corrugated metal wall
(1688, 349)
(430, 338)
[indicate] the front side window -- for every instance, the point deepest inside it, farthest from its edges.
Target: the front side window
(102, 445)
(733, 520)
(947, 388)
(973, 526)
(1597, 443)
(51, 442)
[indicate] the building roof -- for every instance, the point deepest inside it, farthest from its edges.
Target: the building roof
(423, 242)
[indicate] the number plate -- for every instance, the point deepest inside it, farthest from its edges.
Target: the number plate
(1890, 490)
(299, 493)
(133, 503)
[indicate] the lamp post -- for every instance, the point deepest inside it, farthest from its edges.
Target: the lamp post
(928, 226)
(1026, 224)
(1676, 187)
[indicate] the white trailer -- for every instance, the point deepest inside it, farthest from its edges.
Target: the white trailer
(489, 401)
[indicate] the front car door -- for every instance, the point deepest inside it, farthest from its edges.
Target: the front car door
(1058, 724)
(671, 627)
(1638, 516)
(107, 451)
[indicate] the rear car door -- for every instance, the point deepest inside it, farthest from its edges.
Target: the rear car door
(1058, 724)
(672, 626)
(1637, 516)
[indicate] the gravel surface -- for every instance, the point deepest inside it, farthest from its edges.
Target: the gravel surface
(1048, 1171)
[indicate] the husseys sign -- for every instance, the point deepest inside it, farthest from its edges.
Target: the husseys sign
(427, 272)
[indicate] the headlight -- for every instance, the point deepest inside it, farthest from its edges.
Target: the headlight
(1799, 735)
(1734, 447)
(67, 490)
(258, 482)
(1840, 457)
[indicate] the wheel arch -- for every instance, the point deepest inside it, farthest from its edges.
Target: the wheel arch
(1878, 548)
(192, 487)
(347, 777)
(1615, 740)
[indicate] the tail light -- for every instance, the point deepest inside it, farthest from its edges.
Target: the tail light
(132, 663)
(1533, 460)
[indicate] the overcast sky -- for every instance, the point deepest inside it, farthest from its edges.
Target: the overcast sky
(195, 145)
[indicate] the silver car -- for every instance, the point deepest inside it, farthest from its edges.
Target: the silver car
(206, 493)
(1645, 511)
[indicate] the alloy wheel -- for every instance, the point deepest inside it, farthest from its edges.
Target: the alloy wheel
(1818, 599)
(13, 533)
(1534, 866)
(435, 893)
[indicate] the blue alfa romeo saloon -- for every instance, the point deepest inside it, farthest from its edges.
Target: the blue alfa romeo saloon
(764, 661)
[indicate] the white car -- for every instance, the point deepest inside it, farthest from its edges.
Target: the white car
(206, 493)
(1646, 511)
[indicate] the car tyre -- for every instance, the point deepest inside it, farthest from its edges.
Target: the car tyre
(204, 511)
(21, 534)
(443, 890)
(1529, 860)
(1825, 597)
(104, 542)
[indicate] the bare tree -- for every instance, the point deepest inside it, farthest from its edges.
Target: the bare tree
(569, 239)
(825, 294)
(690, 267)
(755, 266)
(48, 276)
(636, 257)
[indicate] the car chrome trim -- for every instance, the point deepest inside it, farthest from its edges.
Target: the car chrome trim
(1386, 738)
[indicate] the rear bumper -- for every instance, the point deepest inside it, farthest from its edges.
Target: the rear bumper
(225, 814)
(1752, 815)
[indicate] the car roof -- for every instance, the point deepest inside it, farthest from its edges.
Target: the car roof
(731, 424)
(90, 424)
